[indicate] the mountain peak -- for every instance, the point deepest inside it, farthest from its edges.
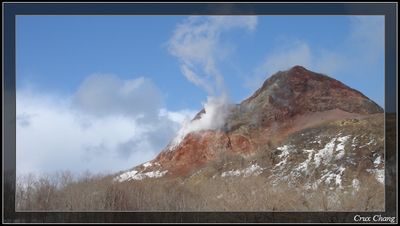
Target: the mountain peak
(301, 90)
(288, 101)
(298, 68)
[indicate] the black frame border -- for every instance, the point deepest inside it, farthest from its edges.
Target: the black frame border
(11, 10)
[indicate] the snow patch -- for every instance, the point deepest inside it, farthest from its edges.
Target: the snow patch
(334, 176)
(338, 179)
(285, 150)
(253, 170)
(281, 163)
(125, 176)
(135, 175)
(231, 173)
(303, 167)
(147, 164)
(284, 154)
(325, 155)
(377, 161)
(340, 146)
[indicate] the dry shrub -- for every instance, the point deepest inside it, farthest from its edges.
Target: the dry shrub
(255, 193)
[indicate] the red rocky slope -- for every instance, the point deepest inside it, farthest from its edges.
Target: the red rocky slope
(287, 102)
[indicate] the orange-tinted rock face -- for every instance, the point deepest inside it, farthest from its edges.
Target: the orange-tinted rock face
(287, 102)
(241, 144)
(196, 149)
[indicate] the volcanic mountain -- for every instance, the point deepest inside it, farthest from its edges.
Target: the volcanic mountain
(301, 128)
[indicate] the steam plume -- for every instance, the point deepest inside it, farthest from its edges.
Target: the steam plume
(196, 44)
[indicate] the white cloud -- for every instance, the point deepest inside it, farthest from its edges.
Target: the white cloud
(104, 94)
(66, 133)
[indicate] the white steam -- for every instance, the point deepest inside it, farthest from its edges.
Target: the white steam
(216, 110)
(196, 43)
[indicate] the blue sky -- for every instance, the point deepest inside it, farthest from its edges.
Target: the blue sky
(154, 72)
